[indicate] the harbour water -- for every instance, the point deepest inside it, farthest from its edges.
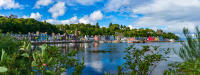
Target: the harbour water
(105, 57)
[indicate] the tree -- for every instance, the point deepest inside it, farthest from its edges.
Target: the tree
(110, 25)
(97, 25)
(24, 26)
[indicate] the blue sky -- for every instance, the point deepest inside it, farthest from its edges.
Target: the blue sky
(72, 8)
(169, 15)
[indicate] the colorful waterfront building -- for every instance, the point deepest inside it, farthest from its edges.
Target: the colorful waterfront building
(132, 39)
(161, 38)
(107, 37)
(86, 37)
(103, 38)
(157, 39)
(99, 37)
(112, 38)
(95, 38)
(149, 39)
(153, 38)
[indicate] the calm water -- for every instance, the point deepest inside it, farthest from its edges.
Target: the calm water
(96, 63)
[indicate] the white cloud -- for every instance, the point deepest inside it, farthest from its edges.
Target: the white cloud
(115, 5)
(43, 3)
(58, 9)
(96, 65)
(8, 4)
(102, 26)
(2, 15)
(85, 19)
(25, 17)
(173, 14)
(123, 5)
(93, 18)
(96, 15)
(82, 2)
(131, 26)
(87, 2)
(36, 15)
(72, 20)
(33, 15)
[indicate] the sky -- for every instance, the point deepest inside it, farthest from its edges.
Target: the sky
(169, 15)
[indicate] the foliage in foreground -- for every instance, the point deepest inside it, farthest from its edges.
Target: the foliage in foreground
(8, 43)
(142, 61)
(45, 60)
(190, 54)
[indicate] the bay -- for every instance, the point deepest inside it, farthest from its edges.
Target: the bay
(105, 57)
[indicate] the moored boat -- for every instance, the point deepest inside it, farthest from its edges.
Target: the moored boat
(116, 41)
(101, 41)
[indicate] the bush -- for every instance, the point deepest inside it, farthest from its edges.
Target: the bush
(18, 59)
(190, 54)
(8, 43)
(142, 61)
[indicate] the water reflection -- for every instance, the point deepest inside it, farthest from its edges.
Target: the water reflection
(98, 62)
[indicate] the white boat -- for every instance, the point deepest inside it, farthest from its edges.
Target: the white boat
(172, 40)
(101, 41)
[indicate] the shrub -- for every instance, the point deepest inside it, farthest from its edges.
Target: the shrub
(190, 54)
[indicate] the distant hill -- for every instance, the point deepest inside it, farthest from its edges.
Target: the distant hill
(21, 25)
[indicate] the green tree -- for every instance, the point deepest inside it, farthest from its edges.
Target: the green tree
(110, 25)
(24, 26)
(97, 25)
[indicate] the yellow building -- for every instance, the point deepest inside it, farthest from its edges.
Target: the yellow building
(157, 39)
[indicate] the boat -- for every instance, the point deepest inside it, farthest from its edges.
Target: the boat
(134, 41)
(109, 41)
(116, 41)
(101, 41)
(124, 41)
(172, 40)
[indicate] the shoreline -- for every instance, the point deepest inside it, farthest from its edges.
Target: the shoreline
(90, 41)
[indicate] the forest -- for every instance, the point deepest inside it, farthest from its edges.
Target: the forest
(23, 26)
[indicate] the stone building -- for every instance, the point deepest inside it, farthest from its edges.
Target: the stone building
(159, 31)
